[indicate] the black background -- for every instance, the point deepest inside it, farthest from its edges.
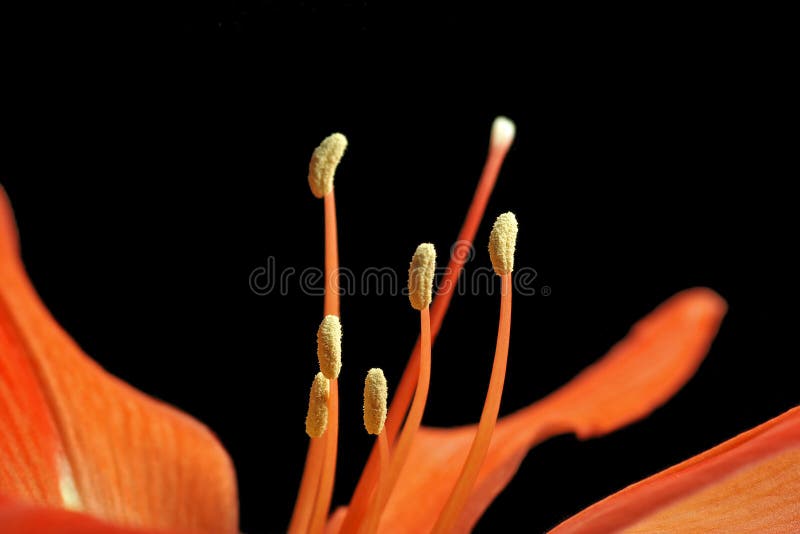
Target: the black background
(156, 155)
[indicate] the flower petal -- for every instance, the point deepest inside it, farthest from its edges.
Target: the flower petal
(76, 437)
(640, 373)
(32, 459)
(18, 518)
(750, 483)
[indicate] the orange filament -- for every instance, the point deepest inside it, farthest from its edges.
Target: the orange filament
(401, 450)
(308, 487)
(372, 520)
(491, 407)
(325, 489)
(331, 306)
(408, 383)
(316, 486)
(366, 486)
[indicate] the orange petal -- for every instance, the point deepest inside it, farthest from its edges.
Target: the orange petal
(75, 436)
(31, 452)
(641, 372)
(750, 483)
(18, 518)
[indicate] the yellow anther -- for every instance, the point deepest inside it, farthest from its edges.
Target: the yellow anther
(375, 394)
(317, 418)
(420, 276)
(323, 164)
(329, 346)
(502, 242)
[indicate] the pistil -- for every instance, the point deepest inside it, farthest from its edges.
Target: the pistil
(502, 136)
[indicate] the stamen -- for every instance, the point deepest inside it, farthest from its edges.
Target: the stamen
(316, 486)
(375, 394)
(329, 346)
(425, 257)
(502, 243)
(499, 146)
(328, 155)
(317, 418)
(323, 164)
(420, 276)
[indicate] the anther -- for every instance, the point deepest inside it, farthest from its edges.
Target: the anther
(317, 418)
(420, 276)
(329, 346)
(502, 242)
(375, 393)
(323, 164)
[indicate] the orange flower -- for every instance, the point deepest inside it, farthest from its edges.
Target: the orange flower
(80, 451)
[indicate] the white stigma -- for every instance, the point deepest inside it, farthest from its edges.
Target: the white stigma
(503, 132)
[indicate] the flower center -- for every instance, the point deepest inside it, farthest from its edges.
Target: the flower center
(387, 461)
